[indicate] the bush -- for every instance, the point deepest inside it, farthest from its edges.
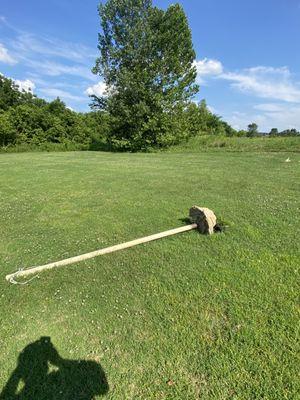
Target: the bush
(7, 130)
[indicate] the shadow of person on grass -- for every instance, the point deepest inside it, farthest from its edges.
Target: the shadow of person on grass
(41, 374)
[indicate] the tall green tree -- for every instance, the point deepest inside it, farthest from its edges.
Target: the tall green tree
(11, 96)
(146, 60)
(252, 129)
(7, 129)
(273, 132)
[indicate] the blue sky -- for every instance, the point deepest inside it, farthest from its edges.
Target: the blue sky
(248, 54)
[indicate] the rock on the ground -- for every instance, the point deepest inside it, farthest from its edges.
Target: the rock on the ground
(205, 218)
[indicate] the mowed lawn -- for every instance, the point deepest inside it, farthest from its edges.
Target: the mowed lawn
(186, 317)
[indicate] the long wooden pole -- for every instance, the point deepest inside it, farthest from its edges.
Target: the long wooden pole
(126, 245)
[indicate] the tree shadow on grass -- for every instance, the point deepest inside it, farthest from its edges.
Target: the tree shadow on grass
(41, 374)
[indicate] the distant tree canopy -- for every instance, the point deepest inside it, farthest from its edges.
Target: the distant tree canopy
(273, 132)
(252, 129)
(201, 120)
(147, 62)
(11, 96)
(289, 132)
(26, 119)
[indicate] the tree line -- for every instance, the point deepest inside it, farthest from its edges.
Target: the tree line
(254, 132)
(147, 62)
(28, 120)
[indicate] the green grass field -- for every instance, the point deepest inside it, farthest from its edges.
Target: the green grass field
(241, 144)
(187, 317)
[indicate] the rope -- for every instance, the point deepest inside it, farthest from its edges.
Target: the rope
(16, 274)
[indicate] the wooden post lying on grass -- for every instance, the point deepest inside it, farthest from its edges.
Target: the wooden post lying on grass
(203, 219)
(82, 257)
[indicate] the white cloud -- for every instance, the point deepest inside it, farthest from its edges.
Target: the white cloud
(269, 107)
(64, 95)
(31, 45)
(277, 115)
(282, 116)
(265, 82)
(240, 120)
(5, 57)
(49, 55)
(99, 89)
(52, 68)
(4, 22)
(26, 85)
(260, 81)
(207, 68)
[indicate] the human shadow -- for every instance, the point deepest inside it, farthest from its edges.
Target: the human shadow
(41, 374)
